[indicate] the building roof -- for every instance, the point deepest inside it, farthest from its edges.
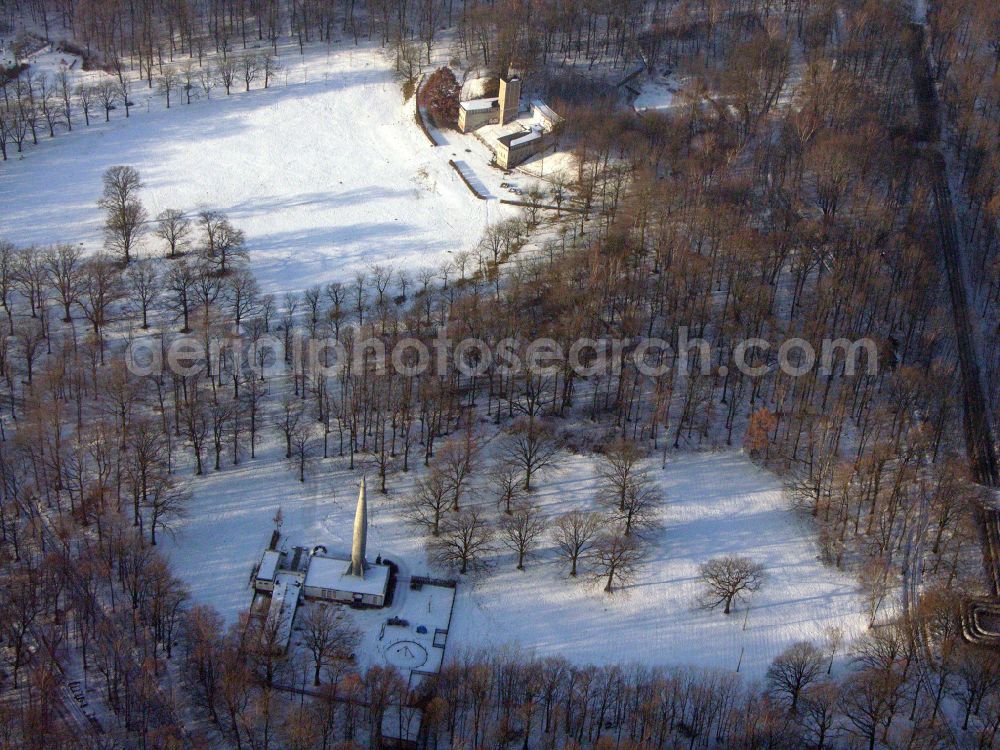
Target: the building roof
(519, 138)
(284, 602)
(268, 565)
(545, 111)
(333, 573)
(524, 139)
(479, 105)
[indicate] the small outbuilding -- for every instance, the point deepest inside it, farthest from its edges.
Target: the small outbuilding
(267, 570)
(515, 148)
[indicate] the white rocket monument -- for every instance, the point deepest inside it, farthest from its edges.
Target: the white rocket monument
(358, 561)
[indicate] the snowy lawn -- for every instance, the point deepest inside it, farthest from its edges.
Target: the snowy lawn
(325, 177)
(717, 503)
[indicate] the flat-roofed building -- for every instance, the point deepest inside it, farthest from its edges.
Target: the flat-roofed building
(513, 137)
(284, 605)
(474, 113)
(542, 112)
(350, 580)
(330, 579)
(514, 148)
(267, 570)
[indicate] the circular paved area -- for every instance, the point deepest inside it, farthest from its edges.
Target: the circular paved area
(406, 654)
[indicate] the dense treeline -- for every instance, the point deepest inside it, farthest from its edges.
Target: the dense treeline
(766, 206)
(964, 53)
(502, 699)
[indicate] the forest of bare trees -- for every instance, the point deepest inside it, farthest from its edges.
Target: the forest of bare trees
(768, 206)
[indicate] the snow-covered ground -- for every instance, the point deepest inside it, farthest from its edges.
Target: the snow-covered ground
(326, 172)
(416, 639)
(717, 503)
(657, 95)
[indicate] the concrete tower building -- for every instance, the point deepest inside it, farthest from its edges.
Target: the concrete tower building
(510, 98)
(358, 561)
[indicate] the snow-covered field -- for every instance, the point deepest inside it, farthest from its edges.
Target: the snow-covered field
(716, 503)
(325, 171)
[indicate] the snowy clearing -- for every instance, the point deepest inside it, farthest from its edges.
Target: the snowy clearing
(325, 177)
(717, 503)
(658, 95)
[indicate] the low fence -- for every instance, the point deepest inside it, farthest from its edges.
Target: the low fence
(446, 583)
(524, 204)
(465, 179)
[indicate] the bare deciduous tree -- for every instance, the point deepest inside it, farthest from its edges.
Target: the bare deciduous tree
(877, 581)
(64, 265)
(303, 437)
(505, 479)
(168, 83)
(223, 243)
(86, 95)
(144, 285)
(465, 540)
(326, 636)
(269, 66)
(977, 674)
(8, 280)
(615, 559)
(793, 670)
(869, 700)
(456, 461)
(250, 68)
(430, 501)
(575, 533)
(641, 505)
(107, 94)
(173, 228)
(521, 531)
(227, 70)
(819, 710)
(728, 579)
(180, 282)
(287, 421)
(30, 338)
(619, 468)
(242, 292)
(531, 446)
(165, 501)
(124, 213)
(102, 287)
